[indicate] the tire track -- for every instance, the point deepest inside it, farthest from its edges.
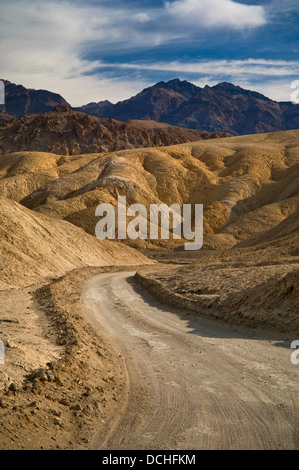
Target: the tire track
(193, 383)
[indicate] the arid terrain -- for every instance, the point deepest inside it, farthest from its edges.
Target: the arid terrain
(248, 185)
(224, 107)
(66, 132)
(148, 346)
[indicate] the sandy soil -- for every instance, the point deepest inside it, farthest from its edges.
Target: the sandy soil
(255, 286)
(99, 363)
(193, 383)
(61, 379)
(93, 360)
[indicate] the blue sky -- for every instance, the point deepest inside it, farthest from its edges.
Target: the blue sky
(98, 49)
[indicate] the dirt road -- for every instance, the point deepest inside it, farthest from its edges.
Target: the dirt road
(193, 383)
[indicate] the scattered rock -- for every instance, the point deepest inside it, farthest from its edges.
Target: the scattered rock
(34, 403)
(51, 377)
(13, 387)
(64, 402)
(58, 381)
(43, 376)
(2, 404)
(58, 422)
(76, 407)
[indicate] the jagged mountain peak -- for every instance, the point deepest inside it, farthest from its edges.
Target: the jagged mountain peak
(224, 107)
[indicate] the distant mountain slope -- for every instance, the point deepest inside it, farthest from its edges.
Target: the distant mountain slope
(224, 107)
(20, 100)
(156, 103)
(66, 132)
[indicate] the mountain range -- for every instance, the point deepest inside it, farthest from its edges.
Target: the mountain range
(224, 107)
(67, 132)
(20, 100)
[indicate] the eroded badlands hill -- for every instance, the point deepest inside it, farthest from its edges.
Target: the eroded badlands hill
(248, 185)
(34, 247)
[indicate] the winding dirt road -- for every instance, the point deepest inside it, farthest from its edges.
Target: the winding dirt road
(193, 383)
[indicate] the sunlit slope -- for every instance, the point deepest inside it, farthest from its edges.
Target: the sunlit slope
(33, 247)
(248, 184)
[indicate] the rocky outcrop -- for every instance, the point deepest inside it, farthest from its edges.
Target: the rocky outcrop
(224, 107)
(66, 132)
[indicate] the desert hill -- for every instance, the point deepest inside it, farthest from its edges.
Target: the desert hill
(66, 132)
(34, 247)
(289, 227)
(248, 185)
(256, 286)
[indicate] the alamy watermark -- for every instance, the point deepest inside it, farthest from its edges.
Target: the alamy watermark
(2, 353)
(2, 92)
(162, 222)
(295, 354)
(295, 94)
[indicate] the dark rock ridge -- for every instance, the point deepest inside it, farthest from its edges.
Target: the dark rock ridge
(20, 100)
(66, 132)
(224, 107)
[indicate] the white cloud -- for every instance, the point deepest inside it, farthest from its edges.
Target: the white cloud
(42, 45)
(278, 90)
(215, 13)
(237, 68)
(272, 78)
(142, 17)
(52, 44)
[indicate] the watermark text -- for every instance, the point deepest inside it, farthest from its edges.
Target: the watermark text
(295, 354)
(161, 223)
(295, 94)
(2, 353)
(2, 92)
